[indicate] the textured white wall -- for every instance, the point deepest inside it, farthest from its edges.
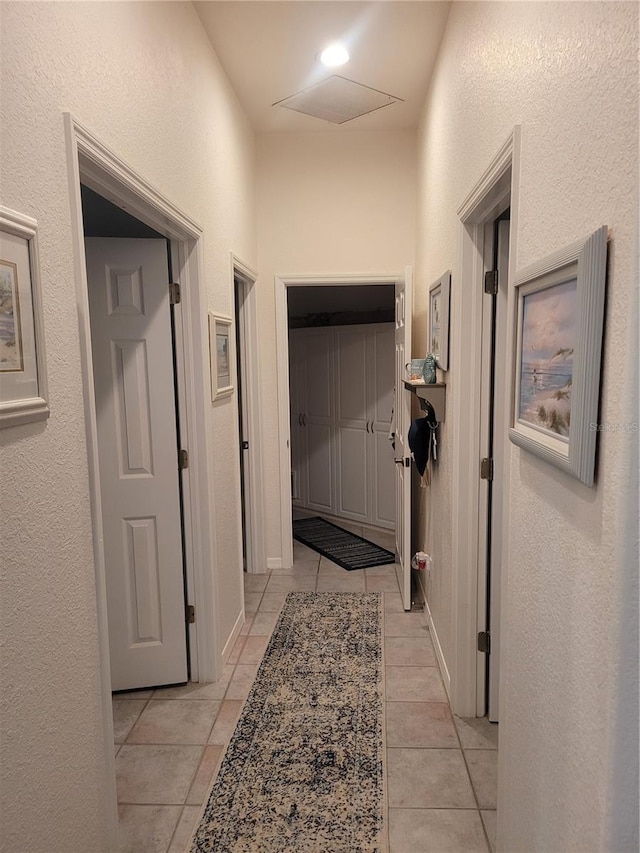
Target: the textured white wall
(162, 103)
(327, 203)
(567, 72)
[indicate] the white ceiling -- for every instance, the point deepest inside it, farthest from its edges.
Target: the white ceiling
(269, 50)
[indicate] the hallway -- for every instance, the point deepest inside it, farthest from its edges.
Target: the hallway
(441, 770)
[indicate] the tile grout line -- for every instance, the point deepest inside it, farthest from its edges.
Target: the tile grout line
(175, 829)
(473, 790)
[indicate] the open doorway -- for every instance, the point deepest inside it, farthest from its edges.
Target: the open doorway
(248, 374)
(92, 164)
(482, 405)
(402, 285)
(341, 383)
(493, 449)
(132, 321)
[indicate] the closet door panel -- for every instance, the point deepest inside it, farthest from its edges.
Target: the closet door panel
(319, 467)
(317, 421)
(351, 373)
(354, 486)
(383, 489)
(318, 376)
(352, 424)
(383, 375)
(297, 355)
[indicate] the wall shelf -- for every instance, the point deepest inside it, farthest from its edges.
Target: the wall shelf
(434, 393)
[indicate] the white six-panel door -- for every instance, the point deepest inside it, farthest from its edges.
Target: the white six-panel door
(135, 404)
(402, 422)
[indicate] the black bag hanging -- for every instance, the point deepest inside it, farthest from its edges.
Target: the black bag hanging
(422, 438)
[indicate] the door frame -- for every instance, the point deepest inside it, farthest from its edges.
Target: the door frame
(494, 329)
(499, 182)
(100, 169)
(247, 324)
(282, 282)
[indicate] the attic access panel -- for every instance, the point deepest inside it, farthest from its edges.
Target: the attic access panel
(337, 100)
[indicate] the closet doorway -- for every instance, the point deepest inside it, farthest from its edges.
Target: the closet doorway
(341, 381)
(336, 367)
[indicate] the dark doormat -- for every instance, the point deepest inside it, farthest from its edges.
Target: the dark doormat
(338, 545)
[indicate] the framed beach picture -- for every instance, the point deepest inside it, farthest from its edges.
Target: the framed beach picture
(439, 296)
(560, 305)
(221, 355)
(23, 382)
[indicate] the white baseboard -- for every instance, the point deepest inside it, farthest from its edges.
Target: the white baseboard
(274, 563)
(444, 669)
(233, 636)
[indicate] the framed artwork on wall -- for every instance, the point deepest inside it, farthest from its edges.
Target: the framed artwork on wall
(439, 295)
(23, 378)
(220, 354)
(558, 348)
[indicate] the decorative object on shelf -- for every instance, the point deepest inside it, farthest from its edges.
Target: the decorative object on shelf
(415, 369)
(429, 370)
(23, 379)
(556, 365)
(439, 296)
(220, 355)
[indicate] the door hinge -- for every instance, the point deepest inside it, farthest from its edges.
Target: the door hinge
(245, 445)
(191, 614)
(491, 282)
(486, 469)
(183, 460)
(174, 293)
(484, 642)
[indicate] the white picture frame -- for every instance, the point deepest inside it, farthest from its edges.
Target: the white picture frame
(558, 348)
(23, 374)
(221, 354)
(439, 299)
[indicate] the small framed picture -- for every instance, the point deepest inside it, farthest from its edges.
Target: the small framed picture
(23, 378)
(439, 295)
(556, 365)
(221, 355)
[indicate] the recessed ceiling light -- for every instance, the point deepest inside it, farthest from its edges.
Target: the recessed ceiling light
(334, 55)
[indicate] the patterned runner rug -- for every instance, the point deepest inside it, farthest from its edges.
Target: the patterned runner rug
(339, 545)
(304, 768)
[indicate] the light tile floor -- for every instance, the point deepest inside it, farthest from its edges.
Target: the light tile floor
(441, 770)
